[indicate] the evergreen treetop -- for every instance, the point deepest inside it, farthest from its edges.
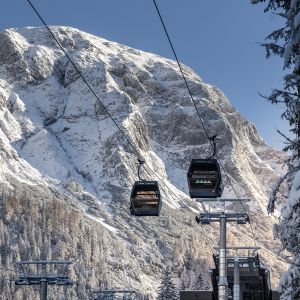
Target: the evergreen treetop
(167, 289)
(285, 43)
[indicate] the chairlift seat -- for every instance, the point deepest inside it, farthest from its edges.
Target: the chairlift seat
(204, 178)
(145, 199)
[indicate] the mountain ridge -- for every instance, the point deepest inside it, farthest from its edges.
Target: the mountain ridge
(57, 140)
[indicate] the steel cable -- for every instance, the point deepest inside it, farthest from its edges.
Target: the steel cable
(198, 113)
(139, 156)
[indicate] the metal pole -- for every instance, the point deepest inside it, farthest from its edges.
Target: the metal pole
(43, 289)
(298, 113)
(223, 284)
(236, 279)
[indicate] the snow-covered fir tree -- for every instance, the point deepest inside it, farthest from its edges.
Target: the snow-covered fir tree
(37, 85)
(285, 43)
(167, 289)
(201, 283)
(182, 286)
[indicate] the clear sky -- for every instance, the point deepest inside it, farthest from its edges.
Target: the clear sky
(218, 39)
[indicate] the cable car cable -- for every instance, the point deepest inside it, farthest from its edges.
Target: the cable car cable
(188, 88)
(180, 68)
(106, 110)
(83, 78)
(140, 158)
(197, 110)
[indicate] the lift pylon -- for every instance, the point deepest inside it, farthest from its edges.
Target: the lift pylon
(43, 273)
(247, 276)
(222, 218)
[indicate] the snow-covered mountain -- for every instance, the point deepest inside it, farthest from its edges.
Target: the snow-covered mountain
(66, 170)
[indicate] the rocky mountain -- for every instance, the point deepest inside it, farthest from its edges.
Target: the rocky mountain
(66, 171)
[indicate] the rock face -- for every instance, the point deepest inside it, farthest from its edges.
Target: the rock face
(66, 170)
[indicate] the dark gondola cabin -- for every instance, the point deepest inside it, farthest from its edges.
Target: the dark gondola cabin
(145, 199)
(204, 178)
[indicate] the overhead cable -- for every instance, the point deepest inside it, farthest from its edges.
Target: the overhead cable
(197, 110)
(139, 156)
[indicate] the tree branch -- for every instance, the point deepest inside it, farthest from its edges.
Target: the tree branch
(273, 196)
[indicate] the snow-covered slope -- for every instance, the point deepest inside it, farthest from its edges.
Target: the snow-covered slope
(56, 139)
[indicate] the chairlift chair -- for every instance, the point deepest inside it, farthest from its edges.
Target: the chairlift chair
(145, 199)
(204, 178)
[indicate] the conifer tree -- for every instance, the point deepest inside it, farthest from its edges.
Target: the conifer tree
(182, 287)
(200, 283)
(285, 43)
(185, 278)
(167, 289)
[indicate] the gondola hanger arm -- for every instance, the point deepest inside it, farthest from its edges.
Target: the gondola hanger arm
(213, 139)
(140, 164)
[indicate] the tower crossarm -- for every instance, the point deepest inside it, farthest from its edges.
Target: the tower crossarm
(207, 218)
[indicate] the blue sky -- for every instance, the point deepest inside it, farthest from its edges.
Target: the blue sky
(218, 39)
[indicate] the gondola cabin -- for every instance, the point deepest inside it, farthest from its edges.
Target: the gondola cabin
(204, 178)
(145, 199)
